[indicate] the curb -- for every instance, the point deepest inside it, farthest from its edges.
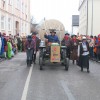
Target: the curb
(94, 60)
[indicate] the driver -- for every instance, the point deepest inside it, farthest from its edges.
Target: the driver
(52, 38)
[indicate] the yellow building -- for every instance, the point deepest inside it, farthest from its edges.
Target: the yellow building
(15, 17)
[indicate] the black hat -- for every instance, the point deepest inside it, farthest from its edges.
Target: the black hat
(74, 35)
(34, 33)
(52, 30)
(66, 33)
(29, 37)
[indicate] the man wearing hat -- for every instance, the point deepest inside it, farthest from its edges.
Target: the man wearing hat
(74, 48)
(67, 43)
(53, 37)
(29, 49)
(36, 45)
(84, 54)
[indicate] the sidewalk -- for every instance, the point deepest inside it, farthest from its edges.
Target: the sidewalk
(2, 59)
(93, 59)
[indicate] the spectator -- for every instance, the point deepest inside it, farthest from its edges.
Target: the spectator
(9, 51)
(1, 45)
(5, 45)
(91, 46)
(98, 48)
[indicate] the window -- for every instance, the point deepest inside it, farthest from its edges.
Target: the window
(22, 27)
(4, 1)
(18, 4)
(22, 7)
(9, 24)
(2, 22)
(25, 28)
(26, 9)
(10, 2)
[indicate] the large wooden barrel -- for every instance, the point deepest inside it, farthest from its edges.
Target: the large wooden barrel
(52, 24)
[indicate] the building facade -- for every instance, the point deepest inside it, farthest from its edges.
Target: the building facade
(89, 19)
(15, 17)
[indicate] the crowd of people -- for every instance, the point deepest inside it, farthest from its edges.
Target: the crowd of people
(83, 47)
(80, 48)
(94, 44)
(10, 45)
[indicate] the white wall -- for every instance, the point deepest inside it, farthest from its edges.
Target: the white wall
(96, 17)
(83, 19)
(89, 16)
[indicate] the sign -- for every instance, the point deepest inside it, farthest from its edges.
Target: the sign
(55, 54)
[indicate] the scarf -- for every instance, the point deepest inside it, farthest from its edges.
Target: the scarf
(99, 39)
(66, 37)
(74, 39)
(34, 37)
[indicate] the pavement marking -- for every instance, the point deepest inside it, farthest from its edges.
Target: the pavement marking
(24, 95)
(67, 91)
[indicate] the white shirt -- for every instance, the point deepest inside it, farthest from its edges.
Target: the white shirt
(85, 50)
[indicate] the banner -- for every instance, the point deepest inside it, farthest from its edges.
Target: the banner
(55, 53)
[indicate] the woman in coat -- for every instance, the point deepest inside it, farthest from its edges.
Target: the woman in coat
(74, 49)
(84, 54)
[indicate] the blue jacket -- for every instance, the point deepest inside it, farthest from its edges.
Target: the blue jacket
(52, 38)
(2, 48)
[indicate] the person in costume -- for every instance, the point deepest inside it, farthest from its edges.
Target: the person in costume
(74, 48)
(29, 49)
(91, 46)
(5, 45)
(1, 45)
(36, 45)
(84, 54)
(19, 42)
(9, 51)
(67, 43)
(98, 48)
(0, 42)
(52, 38)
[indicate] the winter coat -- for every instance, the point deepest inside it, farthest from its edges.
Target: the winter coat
(74, 50)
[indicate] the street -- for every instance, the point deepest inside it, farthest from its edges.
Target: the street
(19, 82)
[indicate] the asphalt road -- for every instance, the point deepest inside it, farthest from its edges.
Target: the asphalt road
(17, 82)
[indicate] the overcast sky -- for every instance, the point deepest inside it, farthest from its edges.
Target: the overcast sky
(61, 10)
